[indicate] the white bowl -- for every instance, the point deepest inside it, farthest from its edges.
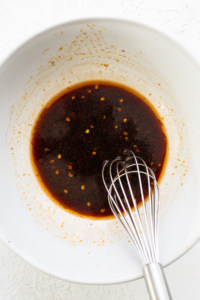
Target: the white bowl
(62, 244)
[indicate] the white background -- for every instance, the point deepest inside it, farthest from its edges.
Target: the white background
(21, 19)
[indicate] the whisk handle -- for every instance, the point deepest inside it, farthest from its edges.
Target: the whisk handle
(156, 282)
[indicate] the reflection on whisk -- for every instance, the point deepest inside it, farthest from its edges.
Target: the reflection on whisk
(133, 196)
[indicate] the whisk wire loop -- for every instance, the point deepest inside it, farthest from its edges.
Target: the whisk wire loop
(130, 227)
(141, 227)
(140, 243)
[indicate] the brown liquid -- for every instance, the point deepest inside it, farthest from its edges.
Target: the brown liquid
(81, 129)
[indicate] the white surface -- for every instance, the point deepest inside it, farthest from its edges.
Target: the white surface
(19, 280)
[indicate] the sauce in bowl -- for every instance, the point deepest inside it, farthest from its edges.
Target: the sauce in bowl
(80, 129)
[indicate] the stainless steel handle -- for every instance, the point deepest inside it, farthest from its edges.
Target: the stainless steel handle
(156, 282)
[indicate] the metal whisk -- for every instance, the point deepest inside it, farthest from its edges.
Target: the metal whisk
(133, 196)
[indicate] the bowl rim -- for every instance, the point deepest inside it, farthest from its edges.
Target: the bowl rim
(20, 252)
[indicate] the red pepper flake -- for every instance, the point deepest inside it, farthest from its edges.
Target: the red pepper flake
(96, 86)
(67, 119)
(70, 174)
(91, 126)
(125, 120)
(121, 100)
(87, 130)
(73, 97)
(82, 97)
(94, 153)
(52, 161)
(59, 156)
(57, 172)
(125, 133)
(82, 187)
(89, 91)
(102, 99)
(46, 149)
(65, 191)
(88, 203)
(102, 210)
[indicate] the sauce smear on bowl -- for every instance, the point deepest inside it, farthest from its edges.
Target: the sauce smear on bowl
(88, 124)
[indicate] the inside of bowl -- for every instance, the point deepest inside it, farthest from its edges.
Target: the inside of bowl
(60, 243)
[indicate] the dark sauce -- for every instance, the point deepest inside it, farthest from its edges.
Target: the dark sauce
(87, 125)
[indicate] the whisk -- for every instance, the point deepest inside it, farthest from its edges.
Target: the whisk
(133, 196)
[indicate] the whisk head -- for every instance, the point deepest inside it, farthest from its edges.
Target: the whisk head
(133, 196)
